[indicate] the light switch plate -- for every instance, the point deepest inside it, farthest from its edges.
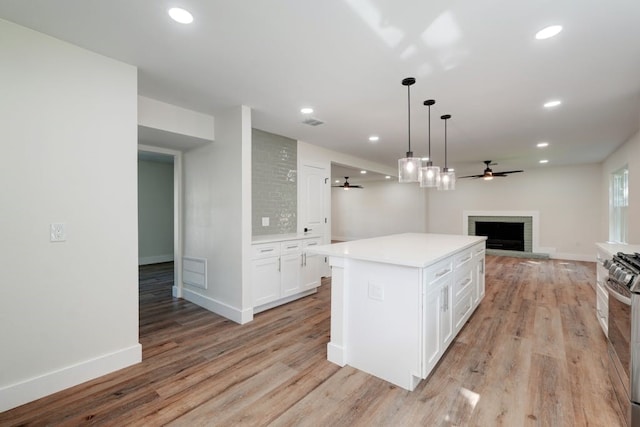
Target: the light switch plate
(265, 221)
(57, 232)
(376, 291)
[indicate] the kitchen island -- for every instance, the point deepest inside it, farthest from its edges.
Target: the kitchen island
(398, 301)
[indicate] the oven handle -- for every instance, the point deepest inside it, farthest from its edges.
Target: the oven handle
(623, 299)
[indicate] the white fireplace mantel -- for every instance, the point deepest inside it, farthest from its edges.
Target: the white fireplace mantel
(535, 229)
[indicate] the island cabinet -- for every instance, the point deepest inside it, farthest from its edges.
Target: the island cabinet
(283, 270)
(397, 302)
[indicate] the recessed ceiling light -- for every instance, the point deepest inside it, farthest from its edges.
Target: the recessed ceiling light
(180, 15)
(374, 138)
(544, 161)
(425, 159)
(548, 32)
(363, 172)
(542, 144)
(551, 104)
(387, 177)
(306, 110)
(337, 181)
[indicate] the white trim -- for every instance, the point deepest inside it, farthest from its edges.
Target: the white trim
(177, 212)
(573, 257)
(215, 306)
(285, 300)
(535, 223)
(18, 394)
(155, 259)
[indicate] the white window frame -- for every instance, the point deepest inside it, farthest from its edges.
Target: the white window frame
(619, 205)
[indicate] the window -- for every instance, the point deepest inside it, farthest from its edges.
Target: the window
(618, 205)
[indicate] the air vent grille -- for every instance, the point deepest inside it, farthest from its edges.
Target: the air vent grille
(312, 122)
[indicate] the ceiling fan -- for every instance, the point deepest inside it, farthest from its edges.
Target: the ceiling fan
(489, 174)
(346, 184)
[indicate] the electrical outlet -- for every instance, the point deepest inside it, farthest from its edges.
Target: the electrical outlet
(57, 232)
(265, 221)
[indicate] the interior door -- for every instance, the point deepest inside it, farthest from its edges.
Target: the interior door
(314, 185)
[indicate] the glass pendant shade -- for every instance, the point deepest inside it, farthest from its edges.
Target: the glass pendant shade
(430, 175)
(447, 180)
(409, 168)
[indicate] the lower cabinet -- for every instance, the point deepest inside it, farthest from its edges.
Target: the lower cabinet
(282, 271)
(454, 288)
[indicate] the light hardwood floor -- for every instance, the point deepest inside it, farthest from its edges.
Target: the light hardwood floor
(532, 354)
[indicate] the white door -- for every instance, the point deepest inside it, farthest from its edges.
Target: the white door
(313, 196)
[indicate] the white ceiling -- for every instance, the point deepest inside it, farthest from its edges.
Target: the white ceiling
(478, 59)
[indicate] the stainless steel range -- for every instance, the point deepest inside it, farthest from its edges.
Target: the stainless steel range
(623, 285)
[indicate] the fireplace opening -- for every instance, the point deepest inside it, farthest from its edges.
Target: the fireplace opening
(507, 236)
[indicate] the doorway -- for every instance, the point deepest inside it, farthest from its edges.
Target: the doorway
(165, 238)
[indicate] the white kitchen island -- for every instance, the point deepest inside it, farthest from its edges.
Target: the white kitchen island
(398, 301)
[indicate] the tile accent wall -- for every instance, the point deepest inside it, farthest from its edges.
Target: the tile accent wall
(274, 183)
(527, 220)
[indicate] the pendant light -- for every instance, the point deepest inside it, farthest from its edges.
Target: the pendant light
(447, 177)
(429, 174)
(409, 167)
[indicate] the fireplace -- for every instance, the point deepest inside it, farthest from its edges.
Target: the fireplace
(507, 236)
(508, 232)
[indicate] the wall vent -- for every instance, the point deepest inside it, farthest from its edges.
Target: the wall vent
(312, 122)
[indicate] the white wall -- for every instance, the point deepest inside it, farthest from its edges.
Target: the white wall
(565, 197)
(155, 212)
(217, 215)
(68, 310)
(628, 154)
(170, 118)
(378, 209)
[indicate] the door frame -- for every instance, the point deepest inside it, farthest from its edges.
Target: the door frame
(177, 212)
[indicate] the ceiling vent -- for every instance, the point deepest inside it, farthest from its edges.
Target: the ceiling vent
(312, 122)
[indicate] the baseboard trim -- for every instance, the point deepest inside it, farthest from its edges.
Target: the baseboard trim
(32, 389)
(215, 306)
(573, 257)
(156, 259)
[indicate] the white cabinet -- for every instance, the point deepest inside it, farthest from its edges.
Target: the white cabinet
(602, 295)
(311, 264)
(454, 288)
(283, 271)
(438, 313)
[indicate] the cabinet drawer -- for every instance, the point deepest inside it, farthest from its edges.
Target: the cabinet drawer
(462, 259)
(311, 242)
(478, 250)
(266, 250)
(438, 271)
(462, 281)
(462, 309)
(291, 246)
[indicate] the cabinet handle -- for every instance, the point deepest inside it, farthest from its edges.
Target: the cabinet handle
(279, 264)
(443, 272)
(301, 260)
(305, 259)
(266, 250)
(292, 247)
(465, 283)
(466, 259)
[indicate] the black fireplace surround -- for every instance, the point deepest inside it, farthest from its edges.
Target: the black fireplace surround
(508, 236)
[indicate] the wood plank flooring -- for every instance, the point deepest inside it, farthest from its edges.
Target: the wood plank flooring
(532, 354)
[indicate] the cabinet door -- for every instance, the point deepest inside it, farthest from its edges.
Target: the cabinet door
(446, 317)
(266, 280)
(311, 266)
(290, 273)
(433, 306)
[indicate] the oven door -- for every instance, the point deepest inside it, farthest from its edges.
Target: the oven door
(619, 347)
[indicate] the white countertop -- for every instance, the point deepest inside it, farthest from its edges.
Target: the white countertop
(270, 238)
(409, 249)
(614, 248)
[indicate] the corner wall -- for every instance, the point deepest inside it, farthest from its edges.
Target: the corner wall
(69, 310)
(628, 154)
(217, 216)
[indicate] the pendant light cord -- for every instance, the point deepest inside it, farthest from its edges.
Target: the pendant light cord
(445, 143)
(429, 132)
(409, 116)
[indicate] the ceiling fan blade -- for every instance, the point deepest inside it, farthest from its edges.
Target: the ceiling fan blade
(471, 176)
(505, 172)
